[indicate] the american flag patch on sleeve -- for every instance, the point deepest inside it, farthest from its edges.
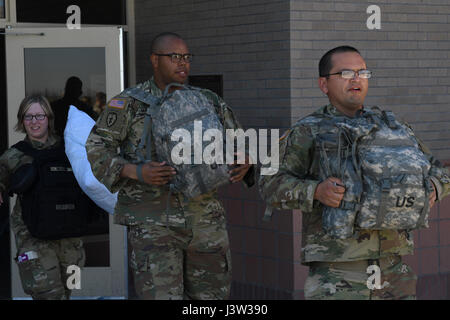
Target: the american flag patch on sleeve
(117, 103)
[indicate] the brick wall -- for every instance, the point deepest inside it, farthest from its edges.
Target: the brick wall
(245, 41)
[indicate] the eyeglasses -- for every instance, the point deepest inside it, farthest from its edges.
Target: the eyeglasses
(350, 74)
(177, 57)
(38, 117)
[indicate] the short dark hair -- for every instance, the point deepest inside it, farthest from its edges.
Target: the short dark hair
(160, 38)
(325, 64)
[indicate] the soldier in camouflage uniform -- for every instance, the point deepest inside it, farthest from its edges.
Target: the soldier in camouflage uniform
(338, 267)
(184, 252)
(42, 263)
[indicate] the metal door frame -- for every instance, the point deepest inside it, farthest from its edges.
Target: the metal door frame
(109, 281)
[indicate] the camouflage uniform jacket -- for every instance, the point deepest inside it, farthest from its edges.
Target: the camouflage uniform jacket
(121, 126)
(10, 161)
(294, 185)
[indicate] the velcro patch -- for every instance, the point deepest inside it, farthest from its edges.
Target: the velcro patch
(117, 103)
(111, 119)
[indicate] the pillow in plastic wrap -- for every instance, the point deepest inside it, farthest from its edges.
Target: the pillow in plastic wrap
(78, 128)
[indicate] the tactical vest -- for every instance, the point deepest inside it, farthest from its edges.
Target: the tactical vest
(53, 205)
(385, 173)
(177, 112)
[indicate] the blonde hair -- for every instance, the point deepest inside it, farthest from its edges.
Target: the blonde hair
(25, 105)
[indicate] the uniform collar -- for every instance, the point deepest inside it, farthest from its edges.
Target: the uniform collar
(332, 110)
(153, 88)
(51, 140)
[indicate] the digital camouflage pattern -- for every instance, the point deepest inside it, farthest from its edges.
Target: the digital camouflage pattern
(384, 171)
(294, 185)
(121, 126)
(186, 114)
(348, 281)
(157, 257)
(44, 277)
(335, 139)
(396, 180)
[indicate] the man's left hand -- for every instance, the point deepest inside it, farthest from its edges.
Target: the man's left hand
(240, 170)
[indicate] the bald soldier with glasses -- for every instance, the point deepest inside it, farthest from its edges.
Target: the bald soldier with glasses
(179, 247)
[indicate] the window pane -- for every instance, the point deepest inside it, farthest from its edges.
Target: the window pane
(47, 69)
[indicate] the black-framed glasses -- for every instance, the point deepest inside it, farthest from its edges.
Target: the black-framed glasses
(38, 117)
(350, 74)
(177, 57)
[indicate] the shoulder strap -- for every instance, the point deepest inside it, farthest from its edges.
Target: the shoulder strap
(43, 154)
(174, 84)
(142, 96)
(152, 101)
(25, 147)
(388, 117)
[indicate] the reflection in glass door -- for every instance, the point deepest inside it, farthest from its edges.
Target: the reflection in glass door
(47, 69)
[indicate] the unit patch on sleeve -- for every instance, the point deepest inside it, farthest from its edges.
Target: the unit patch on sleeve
(111, 119)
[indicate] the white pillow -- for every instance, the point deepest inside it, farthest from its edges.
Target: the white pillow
(78, 128)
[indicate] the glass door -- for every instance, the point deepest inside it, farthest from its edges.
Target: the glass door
(41, 61)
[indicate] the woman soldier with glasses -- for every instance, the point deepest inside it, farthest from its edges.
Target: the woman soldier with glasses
(42, 263)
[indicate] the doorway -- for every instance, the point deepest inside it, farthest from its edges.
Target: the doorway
(39, 61)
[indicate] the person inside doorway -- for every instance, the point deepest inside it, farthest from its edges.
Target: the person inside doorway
(72, 93)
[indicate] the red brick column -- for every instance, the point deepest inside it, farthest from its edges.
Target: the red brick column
(265, 255)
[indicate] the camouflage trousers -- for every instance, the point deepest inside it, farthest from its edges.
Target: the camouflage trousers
(43, 266)
(352, 281)
(175, 263)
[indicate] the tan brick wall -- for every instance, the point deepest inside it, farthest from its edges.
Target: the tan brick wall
(410, 57)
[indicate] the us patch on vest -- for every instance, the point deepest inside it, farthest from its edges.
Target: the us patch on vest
(117, 103)
(111, 119)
